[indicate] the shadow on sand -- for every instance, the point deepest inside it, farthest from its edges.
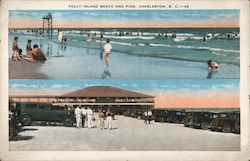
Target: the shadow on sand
(22, 138)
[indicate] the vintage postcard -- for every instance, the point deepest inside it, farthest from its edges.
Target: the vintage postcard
(124, 80)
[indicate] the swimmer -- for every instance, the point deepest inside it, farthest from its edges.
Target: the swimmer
(212, 65)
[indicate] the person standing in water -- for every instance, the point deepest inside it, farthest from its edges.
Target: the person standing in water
(204, 39)
(60, 37)
(107, 50)
(212, 68)
(101, 37)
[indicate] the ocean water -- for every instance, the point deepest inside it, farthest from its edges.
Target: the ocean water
(188, 44)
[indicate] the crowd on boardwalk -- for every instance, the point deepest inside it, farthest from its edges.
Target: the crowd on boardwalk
(86, 114)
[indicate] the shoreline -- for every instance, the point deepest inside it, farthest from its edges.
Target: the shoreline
(89, 66)
(71, 62)
(83, 45)
(25, 70)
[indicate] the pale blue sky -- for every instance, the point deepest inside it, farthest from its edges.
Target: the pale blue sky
(128, 14)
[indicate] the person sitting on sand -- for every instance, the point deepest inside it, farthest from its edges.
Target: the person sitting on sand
(28, 47)
(20, 53)
(17, 56)
(107, 50)
(29, 58)
(38, 54)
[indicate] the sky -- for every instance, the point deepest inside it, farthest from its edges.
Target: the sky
(176, 93)
(126, 18)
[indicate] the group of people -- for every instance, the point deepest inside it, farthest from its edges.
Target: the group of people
(162, 34)
(86, 114)
(148, 116)
(32, 54)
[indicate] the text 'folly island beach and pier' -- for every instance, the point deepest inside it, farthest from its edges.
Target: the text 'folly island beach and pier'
(131, 6)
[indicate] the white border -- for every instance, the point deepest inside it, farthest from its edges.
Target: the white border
(244, 154)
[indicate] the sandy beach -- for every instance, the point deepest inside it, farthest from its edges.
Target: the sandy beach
(127, 134)
(25, 70)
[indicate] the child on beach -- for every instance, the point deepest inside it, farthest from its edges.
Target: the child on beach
(107, 50)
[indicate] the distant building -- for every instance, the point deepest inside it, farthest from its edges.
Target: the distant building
(95, 97)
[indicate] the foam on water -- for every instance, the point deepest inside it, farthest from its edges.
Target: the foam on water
(188, 45)
(130, 37)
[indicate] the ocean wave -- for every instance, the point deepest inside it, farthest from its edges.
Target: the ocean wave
(219, 54)
(119, 43)
(197, 38)
(213, 34)
(184, 35)
(141, 44)
(178, 39)
(129, 37)
(161, 45)
(194, 47)
(223, 50)
(225, 86)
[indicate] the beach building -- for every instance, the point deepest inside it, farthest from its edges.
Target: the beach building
(95, 97)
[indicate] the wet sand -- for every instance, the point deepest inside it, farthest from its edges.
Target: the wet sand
(25, 70)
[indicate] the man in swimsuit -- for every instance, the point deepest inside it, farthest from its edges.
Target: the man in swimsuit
(15, 50)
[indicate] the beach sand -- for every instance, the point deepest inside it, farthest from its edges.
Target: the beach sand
(127, 134)
(25, 70)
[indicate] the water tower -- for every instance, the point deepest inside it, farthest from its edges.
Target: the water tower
(47, 25)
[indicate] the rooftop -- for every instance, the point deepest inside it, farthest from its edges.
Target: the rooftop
(105, 91)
